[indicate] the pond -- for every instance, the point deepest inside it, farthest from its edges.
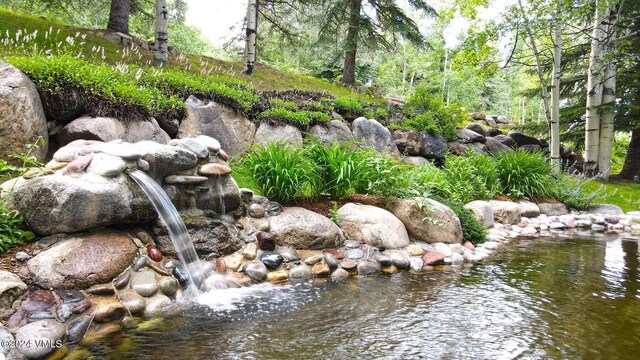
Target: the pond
(552, 297)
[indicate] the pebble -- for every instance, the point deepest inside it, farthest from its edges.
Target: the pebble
(266, 241)
(45, 332)
(66, 154)
(529, 231)
(22, 256)
(78, 327)
(300, 272)
(557, 226)
(132, 301)
(154, 253)
(64, 312)
(583, 223)
(255, 270)
(223, 155)
(221, 266)
(234, 261)
(415, 250)
(612, 219)
(108, 309)
(256, 211)
(195, 147)
(338, 254)
(457, 259)
(390, 269)
(456, 248)
(214, 169)
(352, 244)
(279, 275)
(368, 268)
(443, 248)
(262, 224)
(168, 285)
(210, 143)
(331, 261)
(122, 150)
(313, 259)
(271, 259)
(433, 258)
(354, 254)
(122, 280)
(469, 245)
(320, 270)
(598, 227)
(288, 254)
(250, 251)
(144, 283)
(340, 274)
(156, 304)
(106, 165)
(41, 315)
(38, 300)
(185, 179)
(79, 308)
(416, 263)
(399, 258)
(383, 260)
(79, 164)
(348, 264)
(101, 289)
(139, 263)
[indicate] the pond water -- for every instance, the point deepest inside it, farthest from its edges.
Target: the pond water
(551, 298)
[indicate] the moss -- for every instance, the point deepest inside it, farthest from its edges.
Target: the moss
(300, 119)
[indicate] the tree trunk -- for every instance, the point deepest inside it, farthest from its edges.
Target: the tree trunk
(119, 16)
(250, 37)
(554, 121)
(161, 55)
(631, 166)
(594, 95)
(349, 71)
(607, 114)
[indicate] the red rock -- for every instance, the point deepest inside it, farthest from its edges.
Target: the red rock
(81, 307)
(433, 258)
(266, 241)
(38, 300)
(469, 246)
(338, 254)
(154, 253)
(221, 265)
(78, 164)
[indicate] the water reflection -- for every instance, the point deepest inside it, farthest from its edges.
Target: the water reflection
(551, 298)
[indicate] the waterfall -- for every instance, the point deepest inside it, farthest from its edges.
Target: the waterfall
(175, 228)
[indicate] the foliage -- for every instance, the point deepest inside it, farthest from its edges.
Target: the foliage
(348, 104)
(572, 192)
(624, 195)
(471, 177)
(523, 173)
(278, 170)
(382, 175)
(336, 170)
(301, 119)
(472, 230)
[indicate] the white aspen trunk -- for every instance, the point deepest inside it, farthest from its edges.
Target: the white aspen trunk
(444, 77)
(250, 37)
(554, 122)
(161, 54)
(594, 96)
(607, 115)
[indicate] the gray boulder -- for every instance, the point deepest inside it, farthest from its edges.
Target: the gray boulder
(42, 337)
(304, 229)
(522, 139)
(432, 146)
(333, 132)
(505, 212)
(82, 260)
(22, 118)
(372, 225)
(407, 141)
(482, 211)
(271, 132)
(506, 140)
(493, 146)
(467, 136)
(529, 209)
(502, 120)
(62, 204)
(605, 209)
(374, 135)
(475, 127)
(109, 129)
(553, 209)
(233, 130)
(491, 122)
(428, 220)
(494, 132)
(166, 160)
(478, 116)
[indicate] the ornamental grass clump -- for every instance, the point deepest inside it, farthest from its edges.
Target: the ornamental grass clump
(337, 170)
(523, 173)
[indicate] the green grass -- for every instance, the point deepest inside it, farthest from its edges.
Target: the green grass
(300, 119)
(625, 195)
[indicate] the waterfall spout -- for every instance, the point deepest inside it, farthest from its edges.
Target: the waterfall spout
(175, 228)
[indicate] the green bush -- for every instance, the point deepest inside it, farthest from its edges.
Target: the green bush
(278, 170)
(348, 104)
(13, 230)
(472, 230)
(425, 180)
(337, 170)
(471, 177)
(300, 119)
(571, 191)
(382, 175)
(522, 173)
(427, 112)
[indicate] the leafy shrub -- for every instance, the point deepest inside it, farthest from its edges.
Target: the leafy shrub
(571, 191)
(471, 177)
(337, 170)
(301, 119)
(278, 170)
(278, 103)
(382, 175)
(428, 112)
(525, 174)
(472, 230)
(348, 104)
(13, 230)
(425, 180)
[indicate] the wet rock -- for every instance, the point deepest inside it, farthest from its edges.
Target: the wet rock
(221, 266)
(331, 261)
(168, 285)
(348, 265)
(11, 288)
(266, 241)
(122, 280)
(416, 263)
(250, 251)
(313, 259)
(47, 333)
(166, 160)
(38, 300)
(304, 229)
(272, 260)
(457, 259)
(415, 250)
(214, 169)
(383, 260)
(372, 225)
(320, 270)
(234, 261)
(256, 211)
(78, 327)
(288, 254)
(108, 309)
(80, 307)
(300, 272)
(64, 312)
(154, 253)
(132, 301)
(441, 225)
(144, 283)
(340, 274)
(101, 289)
(255, 270)
(279, 275)
(181, 275)
(354, 254)
(433, 258)
(41, 315)
(399, 258)
(368, 268)
(336, 253)
(156, 304)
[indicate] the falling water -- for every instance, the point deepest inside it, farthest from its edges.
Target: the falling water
(175, 228)
(220, 194)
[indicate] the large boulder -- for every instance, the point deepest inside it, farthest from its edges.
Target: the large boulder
(82, 260)
(109, 129)
(467, 136)
(432, 146)
(22, 118)
(505, 212)
(605, 209)
(334, 132)
(529, 209)
(478, 116)
(553, 209)
(304, 229)
(493, 146)
(271, 132)
(233, 130)
(374, 135)
(407, 141)
(475, 127)
(506, 140)
(522, 139)
(482, 211)
(428, 220)
(372, 225)
(58, 204)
